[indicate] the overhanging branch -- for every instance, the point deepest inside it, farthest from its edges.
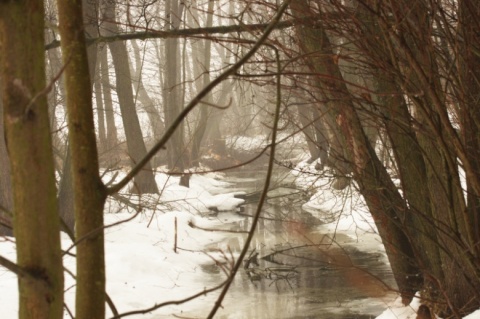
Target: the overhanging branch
(190, 32)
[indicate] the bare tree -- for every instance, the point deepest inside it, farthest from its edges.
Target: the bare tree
(144, 181)
(27, 130)
(177, 154)
(414, 89)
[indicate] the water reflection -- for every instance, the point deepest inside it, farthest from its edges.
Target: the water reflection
(323, 275)
(303, 272)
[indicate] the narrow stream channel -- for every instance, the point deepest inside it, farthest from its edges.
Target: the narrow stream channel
(298, 269)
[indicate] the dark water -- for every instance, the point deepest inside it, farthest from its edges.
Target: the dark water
(300, 270)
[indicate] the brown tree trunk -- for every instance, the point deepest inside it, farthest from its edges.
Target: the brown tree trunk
(176, 151)
(66, 194)
(321, 136)
(90, 193)
(156, 122)
(384, 202)
(144, 181)
(199, 132)
(408, 154)
(306, 122)
(102, 135)
(112, 140)
(6, 200)
(469, 68)
(28, 139)
(455, 233)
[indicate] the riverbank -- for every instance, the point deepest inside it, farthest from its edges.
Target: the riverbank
(168, 247)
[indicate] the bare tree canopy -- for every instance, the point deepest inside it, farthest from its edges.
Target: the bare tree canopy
(104, 101)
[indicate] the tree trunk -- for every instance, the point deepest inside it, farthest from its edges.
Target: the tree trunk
(112, 140)
(384, 202)
(66, 194)
(6, 200)
(156, 122)
(90, 193)
(199, 132)
(102, 135)
(408, 154)
(306, 122)
(28, 139)
(321, 136)
(455, 233)
(144, 181)
(469, 68)
(176, 151)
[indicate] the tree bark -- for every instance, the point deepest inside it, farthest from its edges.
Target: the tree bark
(469, 67)
(90, 193)
(306, 122)
(384, 202)
(66, 194)
(28, 139)
(406, 149)
(455, 232)
(6, 199)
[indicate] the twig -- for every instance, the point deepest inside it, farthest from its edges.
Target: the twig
(173, 302)
(175, 239)
(95, 231)
(46, 90)
(198, 98)
(263, 197)
(191, 224)
(16, 269)
(196, 32)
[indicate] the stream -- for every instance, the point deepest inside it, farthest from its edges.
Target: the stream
(296, 267)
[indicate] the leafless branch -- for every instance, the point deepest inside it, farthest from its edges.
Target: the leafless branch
(193, 103)
(168, 303)
(191, 224)
(270, 165)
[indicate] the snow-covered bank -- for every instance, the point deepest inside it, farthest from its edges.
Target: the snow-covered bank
(397, 310)
(346, 212)
(342, 210)
(143, 269)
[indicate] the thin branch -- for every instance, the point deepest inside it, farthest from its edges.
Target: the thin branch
(271, 163)
(96, 231)
(224, 107)
(173, 302)
(190, 32)
(16, 269)
(193, 103)
(191, 224)
(47, 89)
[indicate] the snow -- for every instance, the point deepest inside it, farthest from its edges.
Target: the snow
(142, 267)
(397, 310)
(344, 210)
(347, 213)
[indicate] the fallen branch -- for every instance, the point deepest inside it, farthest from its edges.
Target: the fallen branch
(191, 224)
